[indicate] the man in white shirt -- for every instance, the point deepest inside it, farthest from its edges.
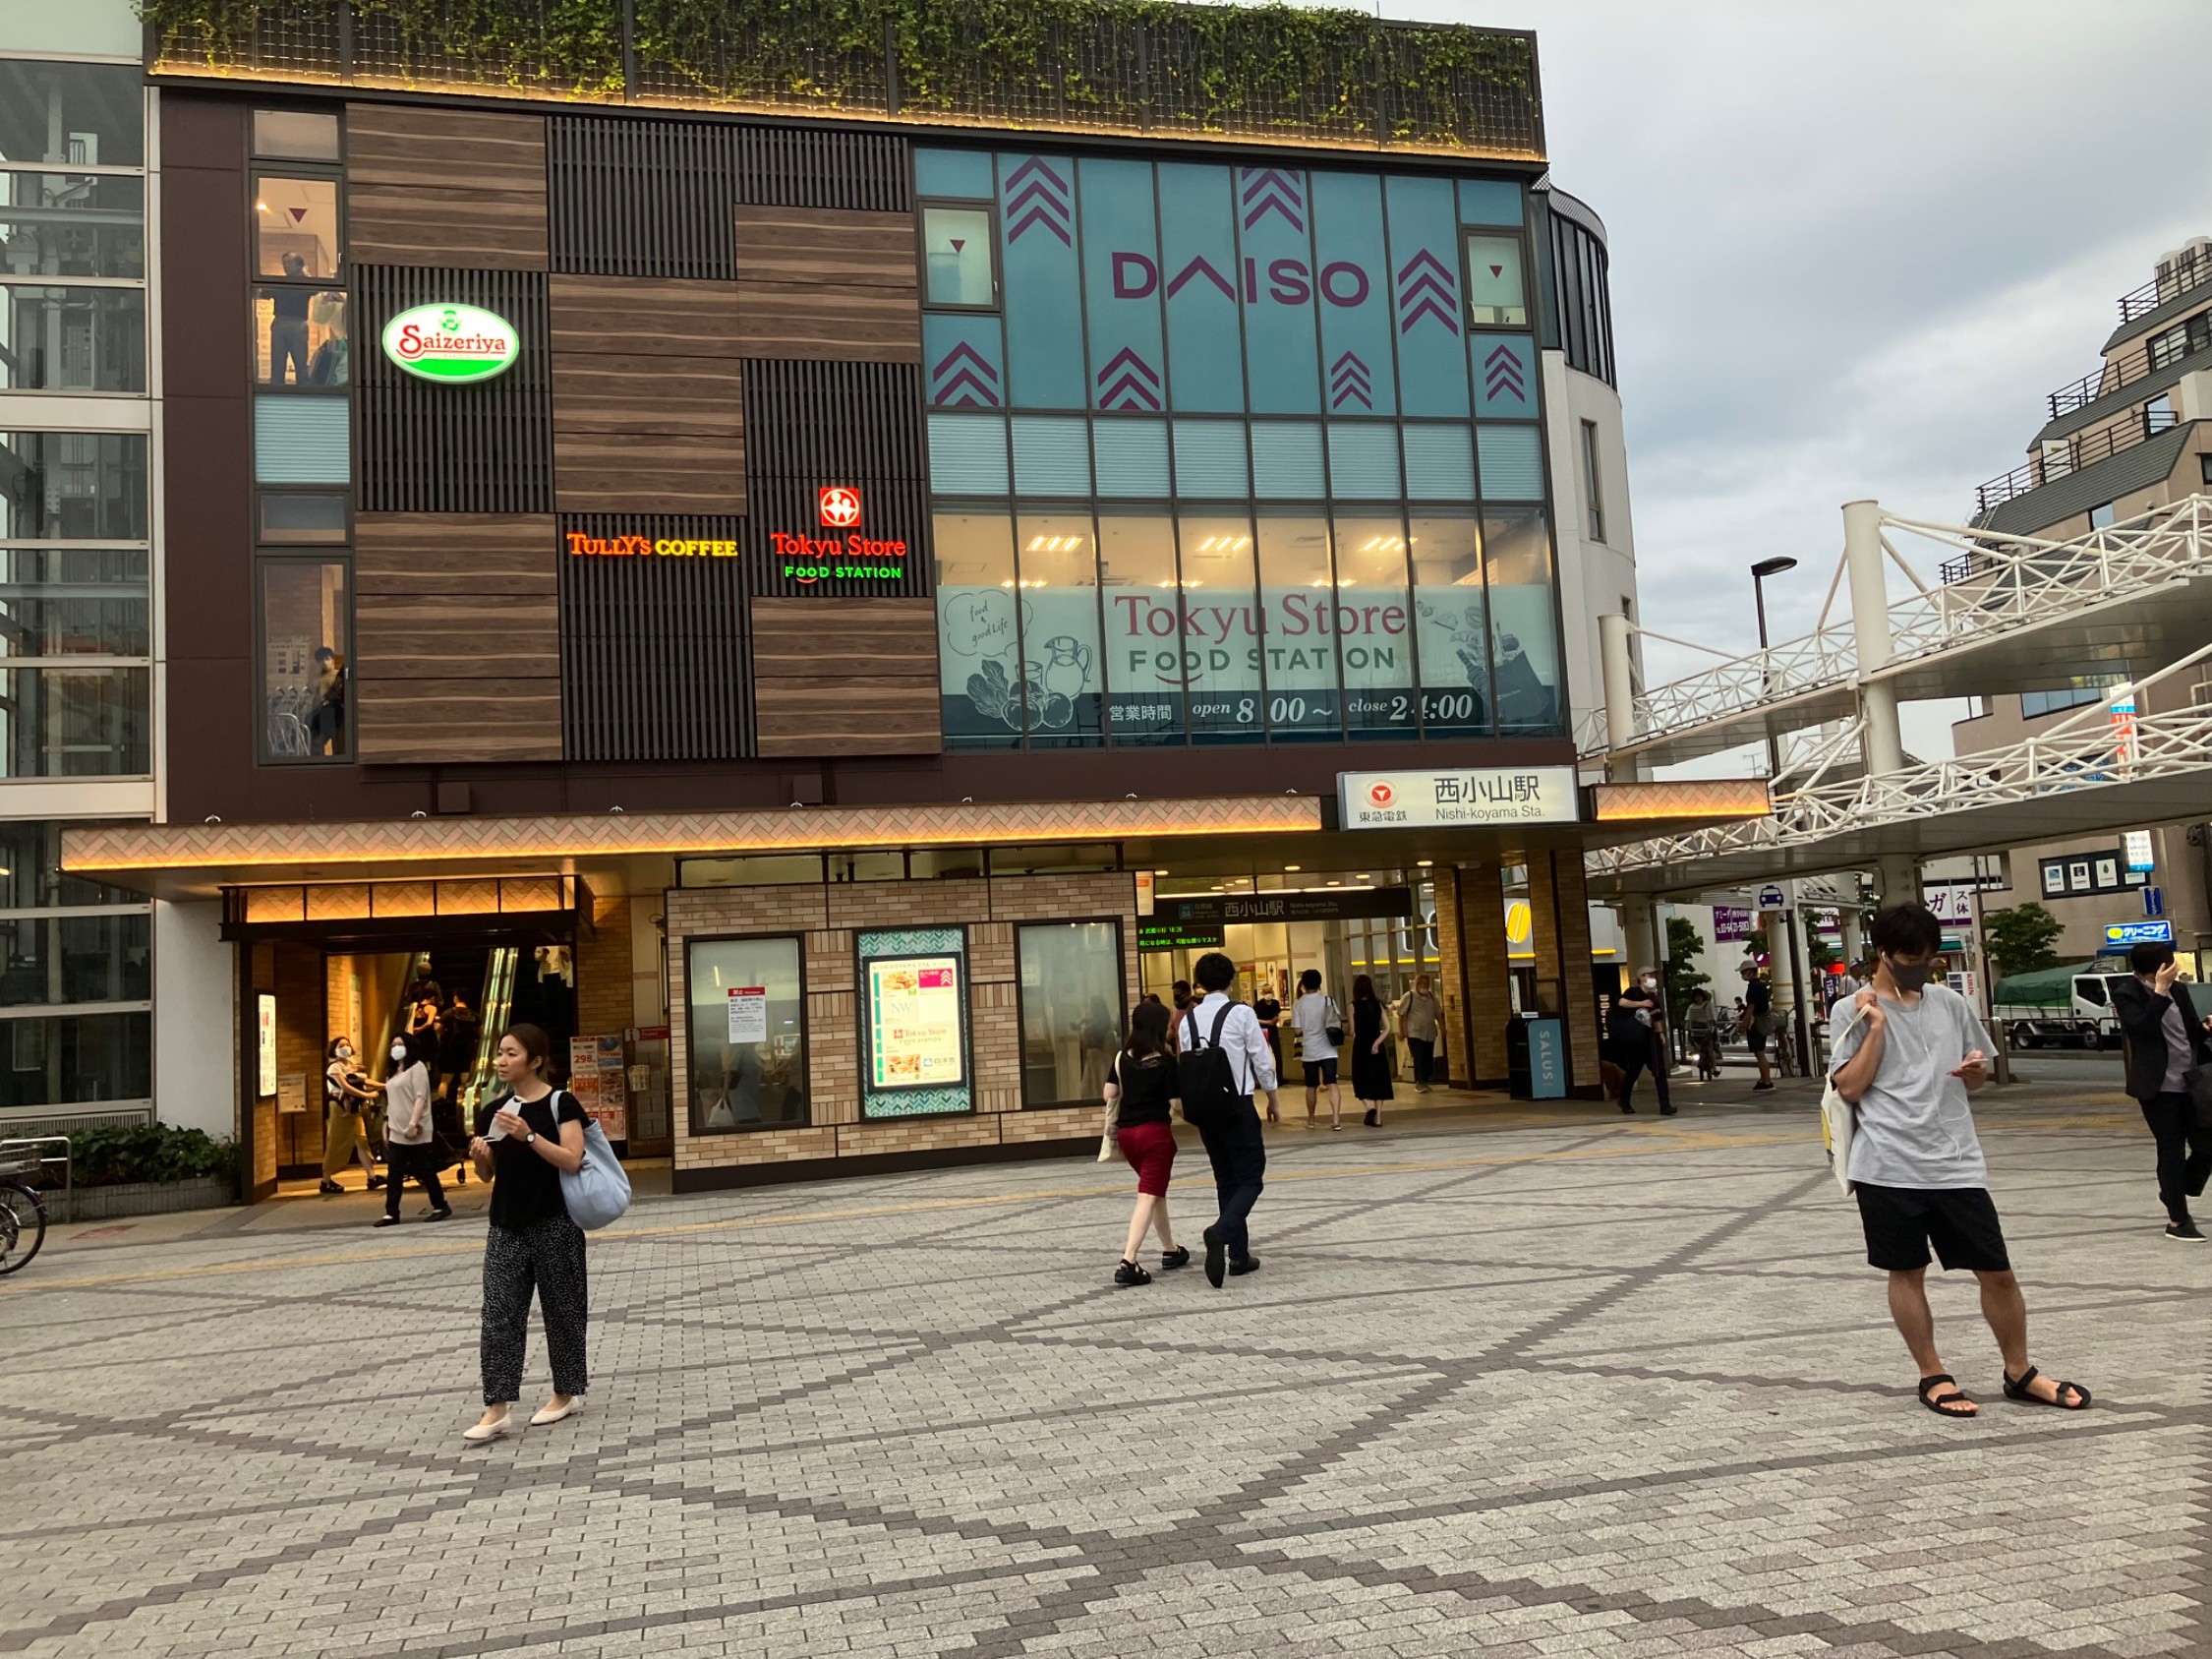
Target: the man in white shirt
(1311, 1015)
(1234, 1145)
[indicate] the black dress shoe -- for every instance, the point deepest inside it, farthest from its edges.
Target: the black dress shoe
(330, 1186)
(445, 1215)
(1243, 1264)
(376, 1181)
(385, 1222)
(1217, 1257)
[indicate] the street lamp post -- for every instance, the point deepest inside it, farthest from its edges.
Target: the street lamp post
(1758, 574)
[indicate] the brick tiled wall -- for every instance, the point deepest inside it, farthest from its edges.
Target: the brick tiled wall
(604, 1000)
(1489, 996)
(828, 917)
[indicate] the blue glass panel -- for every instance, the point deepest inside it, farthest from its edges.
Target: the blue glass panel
(1504, 368)
(1122, 285)
(1489, 201)
(1512, 463)
(1044, 321)
(300, 440)
(1357, 356)
(1286, 461)
(953, 172)
(1424, 286)
(1051, 456)
(1132, 457)
(1275, 253)
(967, 454)
(1198, 287)
(1363, 462)
(1439, 463)
(1209, 459)
(966, 360)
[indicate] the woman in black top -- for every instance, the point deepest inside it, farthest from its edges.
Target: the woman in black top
(1371, 1066)
(1142, 1081)
(525, 1140)
(1270, 1013)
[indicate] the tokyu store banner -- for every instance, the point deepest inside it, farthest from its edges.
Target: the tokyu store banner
(1481, 794)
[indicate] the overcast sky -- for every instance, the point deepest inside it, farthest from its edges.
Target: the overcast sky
(1853, 246)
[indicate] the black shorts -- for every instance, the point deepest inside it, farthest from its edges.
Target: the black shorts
(1318, 1072)
(1902, 1222)
(1756, 1037)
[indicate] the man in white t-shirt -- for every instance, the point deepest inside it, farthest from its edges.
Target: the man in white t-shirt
(1235, 1145)
(1311, 1016)
(1906, 1063)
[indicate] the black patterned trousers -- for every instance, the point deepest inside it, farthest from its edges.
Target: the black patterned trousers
(548, 1257)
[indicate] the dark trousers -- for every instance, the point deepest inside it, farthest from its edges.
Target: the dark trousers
(422, 1162)
(1424, 1056)
(1239, 1156)
(1634, 1058)
(2184, 1151)
(547, 1257)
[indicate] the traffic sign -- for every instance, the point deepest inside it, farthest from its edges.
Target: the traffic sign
(2154, 901)
(2120, 935)
(1773, 898)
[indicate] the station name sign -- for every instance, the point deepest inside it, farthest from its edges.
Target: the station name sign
(646, 547)
(1480, 794)
(1334, 903)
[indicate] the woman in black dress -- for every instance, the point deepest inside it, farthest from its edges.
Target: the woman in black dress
(1370, 1057)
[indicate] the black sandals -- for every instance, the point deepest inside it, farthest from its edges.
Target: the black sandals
(1178, 1257)
(1128, 1272)
(2017, 1387)
(1941, 1403)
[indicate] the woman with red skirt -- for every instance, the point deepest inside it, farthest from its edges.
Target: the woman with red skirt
(1142, 1081)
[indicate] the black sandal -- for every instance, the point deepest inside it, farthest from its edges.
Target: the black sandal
(1178, 1257)
(2017, 1387)
(1938, 1403)
(1128, 1272)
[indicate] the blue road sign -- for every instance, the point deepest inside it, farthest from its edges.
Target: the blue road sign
(2154, 901)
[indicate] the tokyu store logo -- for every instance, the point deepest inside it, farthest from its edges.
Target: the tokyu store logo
(453, 343)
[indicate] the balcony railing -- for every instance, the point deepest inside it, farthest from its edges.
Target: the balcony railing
(1273, 72)
(2159, 351)
(2063, 456)
(2192, 270)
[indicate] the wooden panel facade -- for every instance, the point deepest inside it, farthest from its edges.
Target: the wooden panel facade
(446, 187)
(861, 679)
(431, 681)
(648, 416)
(828, 283)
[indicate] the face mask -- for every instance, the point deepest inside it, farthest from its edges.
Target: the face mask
(1647, 982)
(1911, 976)
(345, 1051)
(399, 1052)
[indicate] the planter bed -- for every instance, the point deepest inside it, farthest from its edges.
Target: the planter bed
(138, 1198)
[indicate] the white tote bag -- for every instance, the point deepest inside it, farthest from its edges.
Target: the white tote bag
(598, 1190)
(1839, 1118)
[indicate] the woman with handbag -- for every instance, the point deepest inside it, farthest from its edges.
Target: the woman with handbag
(410, 1139)
(1139, 1091)
(1371, 1056)
(345, 1096)
(525, 1141)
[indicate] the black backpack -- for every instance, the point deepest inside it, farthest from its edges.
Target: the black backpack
(1204, 1078)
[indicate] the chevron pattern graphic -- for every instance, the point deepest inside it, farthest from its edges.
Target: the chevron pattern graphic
(963, 379)
(1350, 379)
(1503, 374)
(1128, 381)
(1425, 289)
(1265, 190)
(1036, 196)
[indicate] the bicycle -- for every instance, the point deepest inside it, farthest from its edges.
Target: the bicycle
(23, 1217)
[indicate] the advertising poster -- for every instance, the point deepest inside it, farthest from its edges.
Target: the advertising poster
(915, 1022)
(598, 1079)
(748, 1013)
(265, 1029)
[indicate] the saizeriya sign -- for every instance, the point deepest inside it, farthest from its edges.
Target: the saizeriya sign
(453, 343)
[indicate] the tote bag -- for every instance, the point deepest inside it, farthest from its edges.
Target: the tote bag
(1839, 1120)
(598, 1190)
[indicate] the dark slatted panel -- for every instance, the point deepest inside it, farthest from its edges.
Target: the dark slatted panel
(653, 649)
(818, 168)
(641, 197)
(425, 446)
(821, 423)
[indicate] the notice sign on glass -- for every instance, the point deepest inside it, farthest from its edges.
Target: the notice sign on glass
(915, 1009)
(748, 1013)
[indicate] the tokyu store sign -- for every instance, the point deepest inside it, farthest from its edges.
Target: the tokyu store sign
(452, 343)
(1481, 794)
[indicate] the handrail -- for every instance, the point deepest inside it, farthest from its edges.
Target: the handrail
(10, 1159)
(2121, 372)
(2193, 272)
(2080, 450)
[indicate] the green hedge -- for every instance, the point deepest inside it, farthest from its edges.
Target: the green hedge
(147, 1152)
(1116, 64)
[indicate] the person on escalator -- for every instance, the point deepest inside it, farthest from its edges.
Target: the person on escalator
(458, 1028)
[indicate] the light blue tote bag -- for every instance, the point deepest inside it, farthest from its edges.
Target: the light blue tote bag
(598, 1190)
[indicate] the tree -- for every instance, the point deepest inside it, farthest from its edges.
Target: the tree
(2018, 940)
(1683, 975)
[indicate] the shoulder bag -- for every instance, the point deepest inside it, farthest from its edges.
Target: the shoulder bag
(598, 1190)
(1839, 1118)
(1333, 1030)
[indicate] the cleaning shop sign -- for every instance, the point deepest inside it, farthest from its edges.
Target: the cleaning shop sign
(452, 343)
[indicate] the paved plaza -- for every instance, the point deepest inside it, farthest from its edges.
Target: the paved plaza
(1549, 1382)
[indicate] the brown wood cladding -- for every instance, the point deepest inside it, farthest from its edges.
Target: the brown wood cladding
(822, 282)
(845, 677)
(444, 187)
(457, 638)
(647, 415)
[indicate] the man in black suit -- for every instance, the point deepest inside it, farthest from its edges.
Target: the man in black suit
(2166, 1046)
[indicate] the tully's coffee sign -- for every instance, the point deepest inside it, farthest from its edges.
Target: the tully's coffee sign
(646, 547)
(853, 555)
(453, 343)
(1333, 904)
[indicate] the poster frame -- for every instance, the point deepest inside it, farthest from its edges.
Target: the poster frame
(861, 962)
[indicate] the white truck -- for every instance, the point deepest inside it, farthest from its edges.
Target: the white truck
(2087, 1022)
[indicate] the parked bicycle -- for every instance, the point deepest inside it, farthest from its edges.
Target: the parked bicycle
(23, 1213)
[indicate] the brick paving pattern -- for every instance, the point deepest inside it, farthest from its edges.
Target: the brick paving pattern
(1565, 1383)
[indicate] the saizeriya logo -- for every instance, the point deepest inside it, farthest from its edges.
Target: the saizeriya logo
(451, 342)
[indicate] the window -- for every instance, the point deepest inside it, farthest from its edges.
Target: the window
(1221, 636)
(1450, 627)
(300, 334)
(303, 517)
(72, 339)
(1144, 654)
(771, 869)
(295, 134)
(306, 662)
(747, 1023)
(1592, 493)
(2101, 518)
(72, 225)
(73, 486)
(1072, 1013)
(1297, 583)
(1524, 636)
(2204, 468)
(979, 638)
(2158, 414)
(76, 980)
(956, 257)
(2079, 691)
(1373, 627)
(1058, 589)
(1494, 290)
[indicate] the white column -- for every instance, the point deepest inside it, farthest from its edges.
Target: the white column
(194, 1022)
(1897, 879)
(1854, 937)
(1884, 744)
(1617, 665)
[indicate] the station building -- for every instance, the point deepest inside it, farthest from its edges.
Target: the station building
(820, 576)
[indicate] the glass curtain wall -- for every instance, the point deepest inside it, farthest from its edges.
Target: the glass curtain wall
(76, 984)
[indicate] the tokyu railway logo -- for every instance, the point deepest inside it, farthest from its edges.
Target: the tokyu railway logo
(453, 343)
